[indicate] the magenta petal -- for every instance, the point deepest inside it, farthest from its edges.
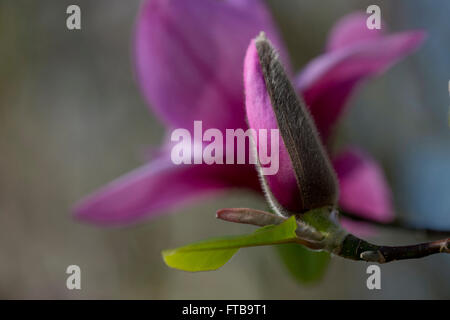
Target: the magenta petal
(149, 191)
(189, 58)
(328, 81)
(363, 187)
(260, 115)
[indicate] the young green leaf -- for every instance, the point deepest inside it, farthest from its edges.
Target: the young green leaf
(304, 265)
(212, 254)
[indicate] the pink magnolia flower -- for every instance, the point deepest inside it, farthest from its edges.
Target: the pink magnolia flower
(189, 61)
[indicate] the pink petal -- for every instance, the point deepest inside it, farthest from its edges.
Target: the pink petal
(158, 187)
(189, 58)
(328, 81)
(350, 30)
(363, 187)
(260, 115)
(359, 229)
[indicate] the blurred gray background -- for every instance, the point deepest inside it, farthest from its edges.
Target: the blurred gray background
(72, 119)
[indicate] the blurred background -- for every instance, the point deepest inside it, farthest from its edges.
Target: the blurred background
(72, 118)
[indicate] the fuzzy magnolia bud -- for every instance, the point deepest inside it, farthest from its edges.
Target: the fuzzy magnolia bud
(315, 176)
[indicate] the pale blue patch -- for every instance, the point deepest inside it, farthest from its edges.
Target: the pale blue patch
(423, 185)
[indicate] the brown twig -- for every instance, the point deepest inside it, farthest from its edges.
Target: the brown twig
(358, 249)
(337, 240)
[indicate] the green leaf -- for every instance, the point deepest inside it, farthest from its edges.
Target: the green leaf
(304, 265)
(214, 253)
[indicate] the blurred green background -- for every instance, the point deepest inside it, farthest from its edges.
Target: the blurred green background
(72, 118)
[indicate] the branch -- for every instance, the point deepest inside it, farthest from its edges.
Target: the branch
(319, 230)
(358, 249)
(397, 224)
